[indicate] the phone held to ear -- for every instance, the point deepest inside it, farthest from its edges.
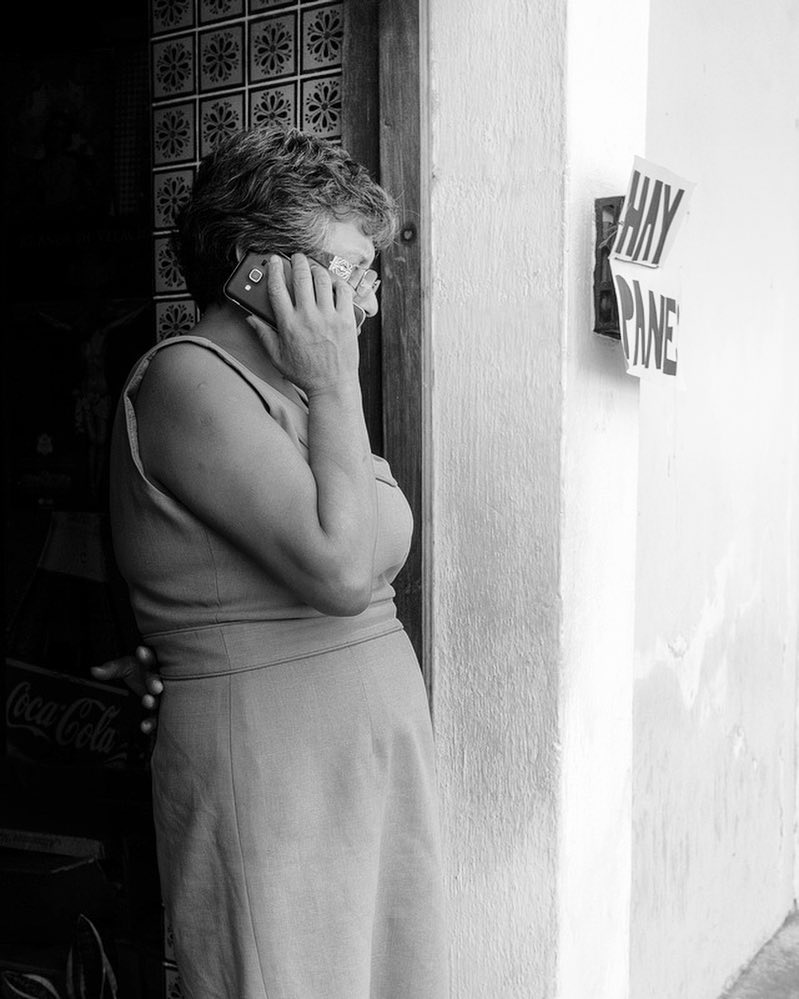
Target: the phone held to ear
(247, 287)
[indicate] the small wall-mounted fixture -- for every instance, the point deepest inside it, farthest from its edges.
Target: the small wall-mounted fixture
(606, 221)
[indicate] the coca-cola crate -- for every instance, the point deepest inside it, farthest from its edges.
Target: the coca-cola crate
(53, 719)
(44, 893)
(46, 960)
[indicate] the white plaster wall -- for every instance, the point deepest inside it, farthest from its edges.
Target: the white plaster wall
(497, 299)
(718, 545)
(599, 488)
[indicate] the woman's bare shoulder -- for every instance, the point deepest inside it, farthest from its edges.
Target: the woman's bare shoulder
(193, 409)
(179, 360)
(188, 375)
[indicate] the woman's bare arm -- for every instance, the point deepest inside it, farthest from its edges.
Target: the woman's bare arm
(205, 439)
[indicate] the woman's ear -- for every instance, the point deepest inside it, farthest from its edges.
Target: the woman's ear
(240, 252)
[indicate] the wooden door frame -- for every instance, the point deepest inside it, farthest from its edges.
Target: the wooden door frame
(385, 87)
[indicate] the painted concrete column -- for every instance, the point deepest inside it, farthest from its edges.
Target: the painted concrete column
(534, 467)
(497, 313)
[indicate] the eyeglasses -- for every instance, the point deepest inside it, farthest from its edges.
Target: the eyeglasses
(363, 281)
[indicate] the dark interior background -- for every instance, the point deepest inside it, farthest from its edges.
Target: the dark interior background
(75, 823)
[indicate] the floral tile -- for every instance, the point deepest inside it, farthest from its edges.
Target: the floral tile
(168, 275)
(171, 189)
(173, 134)
(321, 106)
(322, 37)
(258, 5)
(221, 58)
(274, 105)
(220, 117)
(220, 10)
(273, 47)
(174, 318)
(171, 15)
(173, 67)
(217, 65)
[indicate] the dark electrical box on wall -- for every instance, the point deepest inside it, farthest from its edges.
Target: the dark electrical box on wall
(607, 212)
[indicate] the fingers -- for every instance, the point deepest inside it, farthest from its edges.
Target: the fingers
(302, 280)
(153, 684)
(278, 290)
(138, 671)
(313, 284)
(127, 668)
(141, 658)
(145, 655)
(323, 287)
(114, 669)
(344, 296)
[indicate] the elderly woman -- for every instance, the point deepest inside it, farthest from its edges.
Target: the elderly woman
(293, 771)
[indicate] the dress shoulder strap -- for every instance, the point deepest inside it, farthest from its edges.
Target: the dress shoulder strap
(290, 414)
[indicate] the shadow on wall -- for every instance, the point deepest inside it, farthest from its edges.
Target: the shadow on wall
(774, 971)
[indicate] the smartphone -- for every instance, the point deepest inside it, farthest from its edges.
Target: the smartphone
(246, 286)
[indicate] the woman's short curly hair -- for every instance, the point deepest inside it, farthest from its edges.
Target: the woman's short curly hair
(273, 188)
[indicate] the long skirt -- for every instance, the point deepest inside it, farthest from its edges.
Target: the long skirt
(297, 829)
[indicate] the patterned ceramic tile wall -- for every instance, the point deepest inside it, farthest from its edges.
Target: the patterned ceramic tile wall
(219, 65)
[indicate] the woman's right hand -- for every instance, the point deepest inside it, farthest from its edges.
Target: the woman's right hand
(315, 345)
(139, 670)
(307, 520)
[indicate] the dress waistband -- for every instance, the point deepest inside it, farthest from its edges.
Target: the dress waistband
(233, 647)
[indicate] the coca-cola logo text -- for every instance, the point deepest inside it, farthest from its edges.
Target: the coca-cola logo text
(84, 723)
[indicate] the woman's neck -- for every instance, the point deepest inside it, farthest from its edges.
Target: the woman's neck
(226, 325)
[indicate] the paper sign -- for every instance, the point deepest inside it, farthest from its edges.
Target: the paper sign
(654, 207)
(647, 292)
(649, 317)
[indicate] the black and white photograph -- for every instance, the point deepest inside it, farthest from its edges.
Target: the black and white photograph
(401, 500)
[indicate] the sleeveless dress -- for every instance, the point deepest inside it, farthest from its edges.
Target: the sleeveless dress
(293, 772)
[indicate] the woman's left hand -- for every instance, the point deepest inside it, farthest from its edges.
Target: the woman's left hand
(138, 670)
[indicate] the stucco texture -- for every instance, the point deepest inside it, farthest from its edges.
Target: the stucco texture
(496, 297)
(717, 584)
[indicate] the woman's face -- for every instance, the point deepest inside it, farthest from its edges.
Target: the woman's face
(346, 239)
